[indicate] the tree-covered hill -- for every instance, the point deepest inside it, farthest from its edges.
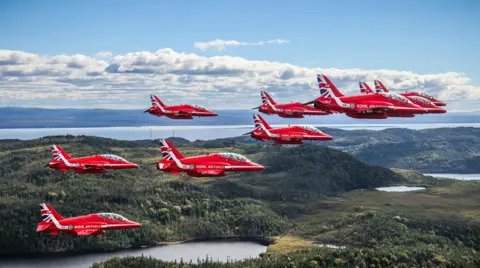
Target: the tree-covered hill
(171, 208)
(442, 150)
(429, 150)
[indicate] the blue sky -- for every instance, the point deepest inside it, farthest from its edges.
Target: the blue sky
(422, 36)
(419, 36)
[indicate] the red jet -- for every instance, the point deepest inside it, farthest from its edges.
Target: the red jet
(182, 111)
(212, 165)
(420, 101)
(379, 87)
(364, 106)
(286, 110)
(93, 224)
(285, 135)
(89, 164)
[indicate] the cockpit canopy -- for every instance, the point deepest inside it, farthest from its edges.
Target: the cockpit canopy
(235, 156)
(198, 106)
(420, 99)
(311, 128)
(113, 157)
(423, 94)
(395, 96)
(112, 216)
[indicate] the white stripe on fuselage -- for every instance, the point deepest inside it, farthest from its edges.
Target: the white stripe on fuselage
(352, 105)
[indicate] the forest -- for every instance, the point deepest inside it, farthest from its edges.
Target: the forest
(312, 193)
(438, 150)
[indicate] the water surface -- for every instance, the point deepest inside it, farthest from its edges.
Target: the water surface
(399, 188)
(188, 132)
(464, 177)
(215, 250)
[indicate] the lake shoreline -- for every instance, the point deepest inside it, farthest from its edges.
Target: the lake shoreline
(259, 240)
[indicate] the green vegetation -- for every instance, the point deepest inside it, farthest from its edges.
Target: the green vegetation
(439, 150)
(308, 194)
(316, 257)
(171, 208)
(286, 244)
(447, 150)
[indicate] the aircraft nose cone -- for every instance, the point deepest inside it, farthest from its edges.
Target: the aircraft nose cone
(258, 167)
(440, 103)
(134, 165)
(328, 137)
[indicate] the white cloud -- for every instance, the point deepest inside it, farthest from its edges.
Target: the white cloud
(103, 54)
(221, 45)
(220, 82)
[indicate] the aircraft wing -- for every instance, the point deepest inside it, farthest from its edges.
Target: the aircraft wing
(324, 108)
(183, 113)
(200, 113)
(85, 232)
(379, 109)
(209, 171)
(294, 111)
(93, 166)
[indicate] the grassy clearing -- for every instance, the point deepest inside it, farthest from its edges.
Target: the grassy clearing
(331, 220)
(284, 244)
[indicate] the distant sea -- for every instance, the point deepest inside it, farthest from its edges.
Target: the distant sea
(188, 132)
(30, 123)
(80, 118)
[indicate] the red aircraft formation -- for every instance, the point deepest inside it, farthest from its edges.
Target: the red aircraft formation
(380, 105)
(414, 97)
(285, 135)
(212, 165)
(182, 111)
(93, 224)
(379, 87)
(369, 104)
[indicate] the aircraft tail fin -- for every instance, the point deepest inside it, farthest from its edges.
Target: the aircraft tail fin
(327, 88)
(260, 123)
(379, 87)
(49, 217)
(58, 153)
(156, 102)
(266, 98)
(365, 88)
(169, 150)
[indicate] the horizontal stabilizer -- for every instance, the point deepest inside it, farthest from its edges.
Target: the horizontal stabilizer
(42, 227)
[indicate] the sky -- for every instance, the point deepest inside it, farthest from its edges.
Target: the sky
(221, 54)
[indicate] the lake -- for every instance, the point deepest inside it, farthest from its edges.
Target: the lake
(399, 188)
(188, 132)
(215, 250)
(465, 177)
